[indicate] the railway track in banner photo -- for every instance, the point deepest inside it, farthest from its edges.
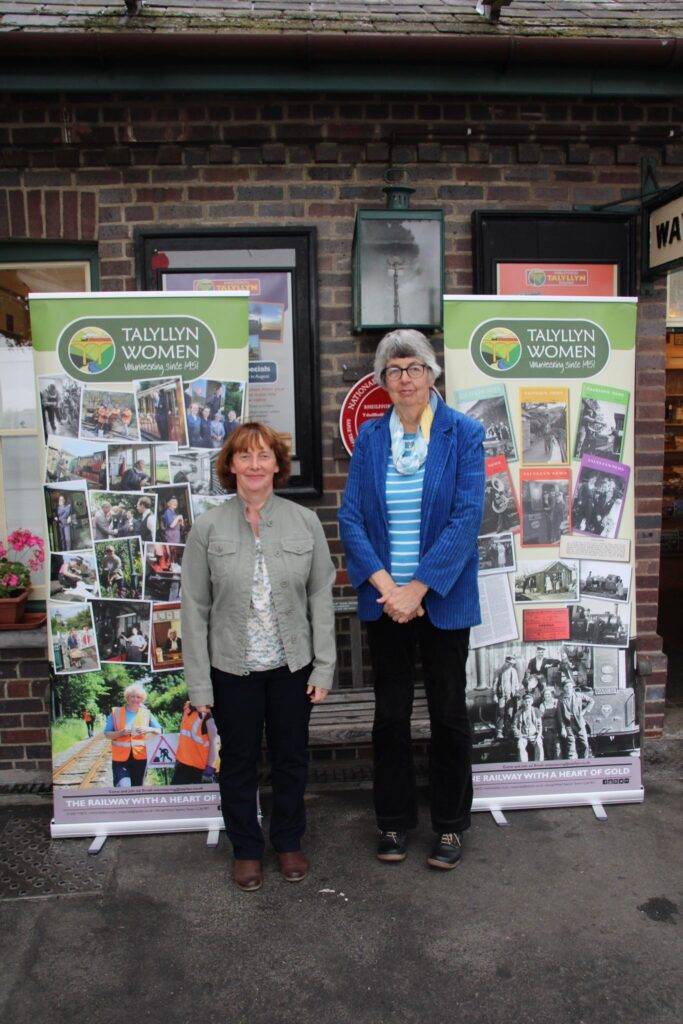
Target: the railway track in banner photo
(87, 763)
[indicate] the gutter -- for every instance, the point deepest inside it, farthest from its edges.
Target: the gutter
(312, 47)
(303, 62)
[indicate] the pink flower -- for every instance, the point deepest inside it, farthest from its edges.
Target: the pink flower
(3, 550)
(12, 580)
(19, 539)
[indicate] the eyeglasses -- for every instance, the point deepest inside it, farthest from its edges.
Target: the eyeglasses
(415, 371)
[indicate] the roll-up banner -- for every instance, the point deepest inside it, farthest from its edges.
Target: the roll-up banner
(550, 674)
(137, 393)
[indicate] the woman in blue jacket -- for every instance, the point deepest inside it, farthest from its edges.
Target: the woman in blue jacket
(409, 520)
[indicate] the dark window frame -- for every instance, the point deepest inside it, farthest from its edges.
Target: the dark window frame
(303, 240)
(514, 236)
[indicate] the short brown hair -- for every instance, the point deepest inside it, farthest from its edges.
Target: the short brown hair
(247, 438)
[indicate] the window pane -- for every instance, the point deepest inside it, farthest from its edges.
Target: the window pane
(22, 489)
(400, 271)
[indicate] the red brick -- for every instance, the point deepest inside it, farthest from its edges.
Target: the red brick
(23, 735)
(53, 215)
(88, 209)
(70, 215)
(19, 688)
(17, 214)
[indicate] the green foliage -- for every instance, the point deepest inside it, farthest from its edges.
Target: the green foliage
(100, 691)
(66, 732)
(63, 620)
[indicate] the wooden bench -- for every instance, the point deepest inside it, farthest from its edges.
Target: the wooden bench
(346, 717)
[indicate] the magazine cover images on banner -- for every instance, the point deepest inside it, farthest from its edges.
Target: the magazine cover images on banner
(125, 454)
(549, 675)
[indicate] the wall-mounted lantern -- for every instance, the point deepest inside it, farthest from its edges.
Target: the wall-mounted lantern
(398, 267)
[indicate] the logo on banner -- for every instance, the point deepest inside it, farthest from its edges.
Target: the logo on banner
(540, 347)
(91, 350)
(500, 348)
(124, 348)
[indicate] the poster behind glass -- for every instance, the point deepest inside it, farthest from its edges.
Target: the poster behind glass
(271, 396)
(398, 258)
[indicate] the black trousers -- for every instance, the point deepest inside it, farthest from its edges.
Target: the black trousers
(242, 706)
(443, 653)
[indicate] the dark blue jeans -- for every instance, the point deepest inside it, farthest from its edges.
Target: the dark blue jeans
(242, 706)
(128, 773)
(443, 653)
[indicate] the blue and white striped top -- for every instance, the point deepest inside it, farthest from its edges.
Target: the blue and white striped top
(404, 506)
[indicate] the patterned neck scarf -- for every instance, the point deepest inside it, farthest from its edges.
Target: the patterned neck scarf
(408, 461)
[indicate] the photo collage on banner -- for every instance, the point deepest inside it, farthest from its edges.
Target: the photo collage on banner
(550, 670)
(137, 393)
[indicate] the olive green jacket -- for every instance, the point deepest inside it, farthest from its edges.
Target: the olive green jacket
(218, 568)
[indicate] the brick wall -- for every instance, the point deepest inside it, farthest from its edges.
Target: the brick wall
(24, 713)
(86, 168)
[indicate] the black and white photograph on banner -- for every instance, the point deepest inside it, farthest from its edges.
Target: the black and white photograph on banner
(73, 576)
(162, 571)
(167, 644)
(544, 413)
(196, 467)
(134, 466)
(108, 415)
(608, 580)
(60, 405)
(174, 512)
(87, 709)
(123, 514)
(72, 638)
(119, 568)
(545, 505)
(204, 502)
(161, 410)
(122, 630)
(599, 623)
(214, 409)
(68, 458)
(601, 423)
(66, 511)
(501, 512)
(549, 702)
(547, 582)
(496, 553)
(489, 406)
(599, 496)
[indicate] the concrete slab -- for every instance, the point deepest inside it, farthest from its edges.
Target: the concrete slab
(557, 919)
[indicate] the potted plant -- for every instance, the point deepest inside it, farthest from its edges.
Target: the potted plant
(15, 577)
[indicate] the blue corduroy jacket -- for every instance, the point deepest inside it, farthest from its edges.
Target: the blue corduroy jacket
(452, 502)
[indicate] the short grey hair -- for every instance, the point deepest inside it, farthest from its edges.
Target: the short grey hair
(134, 688)
(401, 344)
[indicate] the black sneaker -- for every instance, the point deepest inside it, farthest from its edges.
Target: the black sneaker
(446, 851)
(392, 846)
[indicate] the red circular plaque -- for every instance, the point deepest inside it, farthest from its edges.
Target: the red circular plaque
(365, 401)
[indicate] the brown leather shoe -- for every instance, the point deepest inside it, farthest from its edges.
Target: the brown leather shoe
(247, 874)
(294, 866)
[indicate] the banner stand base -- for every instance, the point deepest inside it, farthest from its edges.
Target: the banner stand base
(599, 810)
(100, 830)
(498, 806)
(495, 806)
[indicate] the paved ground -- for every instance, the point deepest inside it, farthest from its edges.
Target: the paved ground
(556, 919)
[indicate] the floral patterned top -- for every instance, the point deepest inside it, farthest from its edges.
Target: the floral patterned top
(265, 649)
